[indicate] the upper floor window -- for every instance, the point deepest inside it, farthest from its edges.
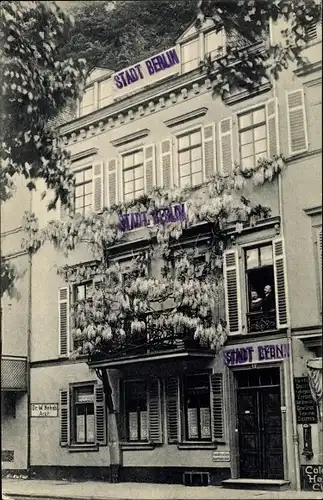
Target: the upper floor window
(252, 137)
(190, 159)
(198, 407)
(133, 175)
(83, 190)
(190, 55)
(212, 45)
(87, 102)
(104, 93)
(260, 283)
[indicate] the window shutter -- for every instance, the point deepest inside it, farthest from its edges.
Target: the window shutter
(172, 406)
(149, 167)
(280, 283)
(272, 128)
(64, 415)
(319, 249)
(296, 119)
(217, 405)
(112, 182)
(155, 431)
(209, 152)
(166, 162)
(100, 416)
(226, 151)
(97, 172)
(63, 320)
(232, 290)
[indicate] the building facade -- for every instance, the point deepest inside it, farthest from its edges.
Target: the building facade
(185, 414)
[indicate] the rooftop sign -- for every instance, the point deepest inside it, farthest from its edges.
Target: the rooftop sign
(146, 72)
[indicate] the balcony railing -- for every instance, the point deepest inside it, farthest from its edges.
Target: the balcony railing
(261, 321)
(13, 373)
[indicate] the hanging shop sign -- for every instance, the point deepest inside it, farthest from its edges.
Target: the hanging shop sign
(306, 409)
(312, 477)
(146, 72)
(254, 354)
(44, 410)
(136, 220)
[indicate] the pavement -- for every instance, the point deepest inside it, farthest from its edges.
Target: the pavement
(19, 489)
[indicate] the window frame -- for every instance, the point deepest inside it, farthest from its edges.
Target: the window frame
(246, 111)
(83, 169)
(178, 135)
(133, 169)
(74, 287)
(125, 382)
(184, 407)
(195, 39)
(72, 408)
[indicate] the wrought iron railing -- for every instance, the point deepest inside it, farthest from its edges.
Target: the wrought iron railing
(261, 321)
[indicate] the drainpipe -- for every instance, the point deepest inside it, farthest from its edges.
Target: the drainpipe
(291, 357)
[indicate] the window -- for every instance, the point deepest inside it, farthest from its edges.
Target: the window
(87, 103)
(190, 56)
(190, 159)
(252, 137)
(104, 93)
(213, 44)
(136, 398)
(83, 409)
(260, 288)
(81, 291)
(83, 191)
(133, 175)
(197, 407)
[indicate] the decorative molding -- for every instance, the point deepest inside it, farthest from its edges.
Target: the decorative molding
(84, 154)
(308, 69)
(313, 211)
(178, 120)
(301, 156)
(243, 95)
(130, 138)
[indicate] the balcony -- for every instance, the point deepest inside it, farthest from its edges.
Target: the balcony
(13, 373)
(261, 321)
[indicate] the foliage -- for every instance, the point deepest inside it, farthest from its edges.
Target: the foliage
(35, 85)
(9, 275)
(115, 36)
(245, 69)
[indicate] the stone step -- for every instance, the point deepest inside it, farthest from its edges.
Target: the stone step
(256, 484)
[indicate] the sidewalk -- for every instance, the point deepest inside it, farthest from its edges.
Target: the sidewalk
(90, 490)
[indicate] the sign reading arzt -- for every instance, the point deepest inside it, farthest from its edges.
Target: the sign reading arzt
(255, 354)
(148, 71)
(44, 410)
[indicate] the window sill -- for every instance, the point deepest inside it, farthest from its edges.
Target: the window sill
(197, 445)
(137, 446)
(77, 448)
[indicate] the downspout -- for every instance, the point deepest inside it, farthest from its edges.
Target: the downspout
(290, 347)
(29, 326)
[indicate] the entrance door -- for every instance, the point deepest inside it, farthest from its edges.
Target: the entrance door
(260, 424)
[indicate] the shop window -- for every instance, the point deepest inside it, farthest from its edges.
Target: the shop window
(197, 407)
(133, 175)
(190, 159)
(83, 409)
(261, 307)
(83, 191)
(87, 102)
(190, 56)
(136, 405)
(252, 137)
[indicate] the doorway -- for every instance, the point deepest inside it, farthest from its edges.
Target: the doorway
(260, 424)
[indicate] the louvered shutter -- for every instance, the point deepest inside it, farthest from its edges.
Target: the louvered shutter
(64, 417)
(155, 430)
(272, 128)
(232, 290)
(217, 405)
(209, 152)
(63, 320)
(100, 416)
(112, 182)
(149, 167)
(296, 118)
(172, 407)
(226, 151)
(319, 249)
(97, 187)
(280, 283)
(166, 162)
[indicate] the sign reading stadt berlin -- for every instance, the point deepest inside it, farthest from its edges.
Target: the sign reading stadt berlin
(251, 354)
(135, 220)
(146, 72)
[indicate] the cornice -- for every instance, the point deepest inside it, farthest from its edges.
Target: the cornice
(196, 113)
(130, 138)
(84, 154)
(313, 210)
(246, 94)
(308, 69)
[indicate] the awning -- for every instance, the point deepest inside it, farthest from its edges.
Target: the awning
(13, 373)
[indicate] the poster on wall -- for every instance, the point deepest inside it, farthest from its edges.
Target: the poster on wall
(133, 426)
(80, 429)
(205, 419)
(90, 429)
(192, 423)
(306, 410)
(312, 477)
(143, 425)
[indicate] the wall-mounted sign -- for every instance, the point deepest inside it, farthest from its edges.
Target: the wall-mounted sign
(173, 213)
(312, 477)
(254, 354)
(306, 410)
(146, 72)
(221, 456)
(44, 410)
